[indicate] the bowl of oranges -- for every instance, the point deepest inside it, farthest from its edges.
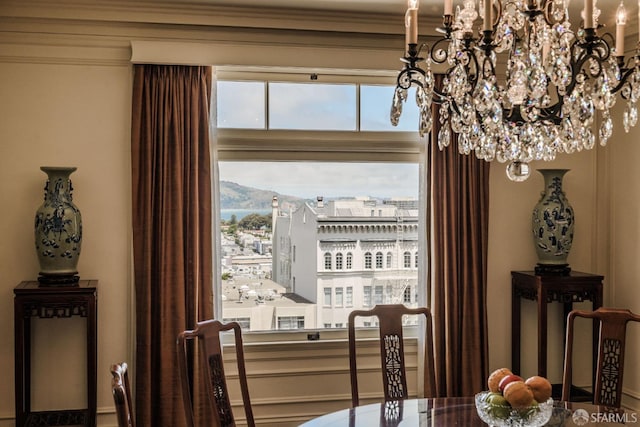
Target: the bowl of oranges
(512, 401)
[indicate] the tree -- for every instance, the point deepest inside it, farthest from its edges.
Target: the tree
(255, 221)
(233, 220)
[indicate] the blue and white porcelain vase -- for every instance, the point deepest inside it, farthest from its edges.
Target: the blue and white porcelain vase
(58, 229)
(552, 224)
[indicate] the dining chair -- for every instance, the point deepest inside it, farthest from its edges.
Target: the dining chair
(392, 358)
(206, 338)
(122, 395)
(607, 387)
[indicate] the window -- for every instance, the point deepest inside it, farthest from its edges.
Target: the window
(415, 264)
(339, 297)
(244, 322)
(367, 260)
(327, 297)
(290, 322)
(349, 296)
(407, 260)
(407, 295)
(379, 295)
(327, 261)
(379, 260)
(366, 300)
(282, 142)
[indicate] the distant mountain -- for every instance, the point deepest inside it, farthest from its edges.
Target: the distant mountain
(236, 196)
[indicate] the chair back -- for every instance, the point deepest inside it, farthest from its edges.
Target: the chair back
(206, 337)
(607, 387)
(122, 395)
(394, 377)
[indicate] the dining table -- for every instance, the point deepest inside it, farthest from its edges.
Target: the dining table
(461, 411)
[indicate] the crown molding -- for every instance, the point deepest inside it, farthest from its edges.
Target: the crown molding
(211, 14)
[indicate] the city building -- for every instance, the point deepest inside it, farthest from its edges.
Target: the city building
(347, 254)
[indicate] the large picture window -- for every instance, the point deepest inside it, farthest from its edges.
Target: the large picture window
(314, 187)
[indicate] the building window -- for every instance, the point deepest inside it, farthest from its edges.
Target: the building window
(379, 295)
(327, 261)
(338, 325)
(416, 260)
(327, 297)
(407, 259)
(349, 297)
(367, 260)
(339, 297)
(244, 322)
(406, 298)
(327, 325)
(389, 260)
(379, 260)
(349, 260)
(339, 261)
(366, 296)
(290, 322)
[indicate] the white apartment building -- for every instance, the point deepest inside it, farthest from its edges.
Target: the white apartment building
(347, 254)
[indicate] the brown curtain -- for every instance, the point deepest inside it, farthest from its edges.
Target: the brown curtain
(172, 230)
(457, 224)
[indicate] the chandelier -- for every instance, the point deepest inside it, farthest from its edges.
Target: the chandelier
(525, 87)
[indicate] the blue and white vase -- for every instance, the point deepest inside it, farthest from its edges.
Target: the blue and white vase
(552, 224)
(58, 229)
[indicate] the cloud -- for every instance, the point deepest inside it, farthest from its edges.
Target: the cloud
(311, 179)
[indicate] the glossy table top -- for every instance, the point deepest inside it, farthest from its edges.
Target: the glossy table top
(461, 411)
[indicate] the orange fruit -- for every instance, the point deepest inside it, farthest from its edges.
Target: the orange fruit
(518, 394)
(540, 386)
(496, 376)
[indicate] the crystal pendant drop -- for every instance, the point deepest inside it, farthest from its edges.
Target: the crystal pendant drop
(633, 115)
(625, 118)
(606, 130)
(396, 105)
(444, 137)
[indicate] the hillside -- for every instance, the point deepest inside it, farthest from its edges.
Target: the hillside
(236, 196)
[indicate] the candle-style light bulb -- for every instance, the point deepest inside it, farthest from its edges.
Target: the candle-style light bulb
(411, 22)
(588, 14)
(621, 14)
(621, 20)
(448, 7)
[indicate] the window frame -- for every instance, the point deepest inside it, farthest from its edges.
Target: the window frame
(297, 145)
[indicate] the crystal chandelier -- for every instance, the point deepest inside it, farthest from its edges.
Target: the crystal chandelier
(525, 87)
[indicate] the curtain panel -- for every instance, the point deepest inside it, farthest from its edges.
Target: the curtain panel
(172, 228)
(457, 226)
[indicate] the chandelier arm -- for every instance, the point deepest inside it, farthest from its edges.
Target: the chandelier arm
(471, 60)
(623, 81)
(405, 77)
(546, 12)
(437, 54)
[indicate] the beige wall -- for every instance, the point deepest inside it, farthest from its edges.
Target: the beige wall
(65, 88)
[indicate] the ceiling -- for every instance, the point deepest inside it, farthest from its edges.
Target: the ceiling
(428, 8)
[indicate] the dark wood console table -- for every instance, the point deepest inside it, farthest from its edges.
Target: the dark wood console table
(32, 300)
(575, 287)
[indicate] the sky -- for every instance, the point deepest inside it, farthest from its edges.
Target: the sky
(316, 106)
(312, 179)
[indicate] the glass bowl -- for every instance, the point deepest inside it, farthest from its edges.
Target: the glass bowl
(505, 416)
